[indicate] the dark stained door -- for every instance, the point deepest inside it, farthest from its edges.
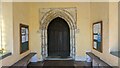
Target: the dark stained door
(58, 38)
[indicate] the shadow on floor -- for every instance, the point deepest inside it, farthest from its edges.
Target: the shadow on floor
(60, 64)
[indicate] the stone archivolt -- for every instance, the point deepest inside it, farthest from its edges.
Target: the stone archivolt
(47, 15)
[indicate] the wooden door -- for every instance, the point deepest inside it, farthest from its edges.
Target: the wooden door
(58, 38)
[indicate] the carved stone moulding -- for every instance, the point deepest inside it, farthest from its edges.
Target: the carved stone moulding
(47, 15)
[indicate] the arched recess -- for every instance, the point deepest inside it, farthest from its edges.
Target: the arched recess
(58, 39)
(46, 19)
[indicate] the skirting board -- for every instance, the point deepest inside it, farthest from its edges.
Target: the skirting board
(80, 58)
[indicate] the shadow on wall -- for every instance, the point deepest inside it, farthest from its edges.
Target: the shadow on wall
(119, 32)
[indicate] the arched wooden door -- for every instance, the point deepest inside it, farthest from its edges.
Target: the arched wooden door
(58, 33)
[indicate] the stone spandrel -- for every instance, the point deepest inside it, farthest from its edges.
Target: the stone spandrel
(71, 11)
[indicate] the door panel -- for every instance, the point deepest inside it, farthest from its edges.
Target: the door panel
(58, 38)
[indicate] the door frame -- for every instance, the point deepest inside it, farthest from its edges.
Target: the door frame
(45, 20)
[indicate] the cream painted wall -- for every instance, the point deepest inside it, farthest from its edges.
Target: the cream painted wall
(21, 15)
(118, 25)
(83, 41)
(119, 31)
(7, 41)
(28, 13)
(101, 11)
(113, 26)
(14, 14)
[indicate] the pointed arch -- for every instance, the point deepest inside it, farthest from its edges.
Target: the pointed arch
(50, 15)
(47, 18)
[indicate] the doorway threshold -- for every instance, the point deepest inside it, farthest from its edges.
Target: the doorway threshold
(58, 58)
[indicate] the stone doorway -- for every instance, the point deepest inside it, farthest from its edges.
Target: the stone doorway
(46, 16)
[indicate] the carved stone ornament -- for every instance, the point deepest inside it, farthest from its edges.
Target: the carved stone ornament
(47, 15)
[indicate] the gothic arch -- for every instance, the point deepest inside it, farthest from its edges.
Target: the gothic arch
(47, 18)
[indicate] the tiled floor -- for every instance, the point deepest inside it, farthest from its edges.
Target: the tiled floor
(60, 64)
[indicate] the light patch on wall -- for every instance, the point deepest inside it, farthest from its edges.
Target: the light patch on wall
(0, 26)
(0, 34)
(3, 34)
(2, 30)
